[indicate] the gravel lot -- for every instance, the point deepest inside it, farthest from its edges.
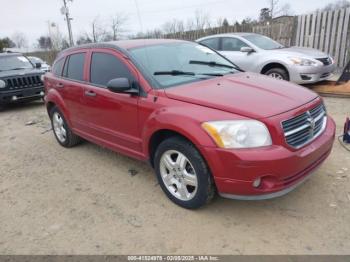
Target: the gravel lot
(84, 201)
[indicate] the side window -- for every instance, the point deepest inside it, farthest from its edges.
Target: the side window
(232, 44)
(212, 43)
(57, 67)
(74, 67)
(105, 67)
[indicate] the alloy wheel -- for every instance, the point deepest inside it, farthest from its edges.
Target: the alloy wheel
(178, 175)
(276, 76)
(59, 127)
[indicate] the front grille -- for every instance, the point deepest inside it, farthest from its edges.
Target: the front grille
(305, 127)
(24, 82)
(325, 61)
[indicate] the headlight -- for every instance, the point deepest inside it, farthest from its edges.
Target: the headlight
(2, 84)
(303, 61)
(42, 78)
(331, 59)
(238, 133)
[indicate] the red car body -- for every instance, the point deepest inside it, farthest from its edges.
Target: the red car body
(134, 125)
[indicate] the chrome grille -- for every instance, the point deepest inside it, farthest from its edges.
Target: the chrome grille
(24, 82)
(305, 127)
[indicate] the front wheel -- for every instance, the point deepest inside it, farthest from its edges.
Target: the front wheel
(183, 174)
(278, 73)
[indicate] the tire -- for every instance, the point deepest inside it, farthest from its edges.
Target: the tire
(67, 139)
(183, 173)
(278, 73)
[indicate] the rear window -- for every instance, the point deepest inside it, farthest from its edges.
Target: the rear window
(58, 67)
(74, 68)
(212, 43)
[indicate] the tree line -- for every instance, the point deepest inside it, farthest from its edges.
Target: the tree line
(115, 27)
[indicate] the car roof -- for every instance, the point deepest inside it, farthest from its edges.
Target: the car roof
(9, 54)
(240, 34)
(123, 45)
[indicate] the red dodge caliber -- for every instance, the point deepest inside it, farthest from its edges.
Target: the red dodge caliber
(204, 125)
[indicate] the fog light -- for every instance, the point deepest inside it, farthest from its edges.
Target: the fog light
(14, 98)
(42, 93)
(257, 182)
(306, 77)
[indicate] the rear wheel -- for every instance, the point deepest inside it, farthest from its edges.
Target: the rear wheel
(183, 174)
(278, 73)
(64, 135)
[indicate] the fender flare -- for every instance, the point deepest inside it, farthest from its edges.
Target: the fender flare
(54, 97)
(175, 120)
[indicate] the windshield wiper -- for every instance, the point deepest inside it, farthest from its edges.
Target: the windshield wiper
(18, 68)
(173, 73)
(211, 74)
(210, 63)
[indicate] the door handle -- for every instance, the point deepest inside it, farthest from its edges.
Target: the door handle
(90, 93)
(59, 85)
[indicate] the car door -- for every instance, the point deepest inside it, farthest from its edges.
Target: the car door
(111, 118)
(70, 86)
(230, 47)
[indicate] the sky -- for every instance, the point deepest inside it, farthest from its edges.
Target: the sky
(31, 17)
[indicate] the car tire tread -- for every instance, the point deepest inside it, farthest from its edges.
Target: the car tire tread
(206, 187)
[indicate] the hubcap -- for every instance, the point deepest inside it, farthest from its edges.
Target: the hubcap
(59, 127)
(178, 175)
(276, 76)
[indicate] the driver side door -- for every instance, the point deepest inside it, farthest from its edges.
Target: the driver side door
(111, 119)
(230, 47)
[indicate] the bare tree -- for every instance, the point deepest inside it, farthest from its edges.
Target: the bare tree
(56, 37)
(84, 39)
(219, 21)
(201, 20)
(98, 33)
(190, 25)
(336, 5)
(277, 10)
(20, 40)
(174, 26)
(273, 7)
(117, 24)
(44, 42)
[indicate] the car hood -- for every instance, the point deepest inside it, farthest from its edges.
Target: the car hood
(15, 73)
(247, 94)
(301, 51)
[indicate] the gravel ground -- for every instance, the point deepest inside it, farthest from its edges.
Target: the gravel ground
(84, 201)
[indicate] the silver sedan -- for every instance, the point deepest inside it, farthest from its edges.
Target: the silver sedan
(260, 54)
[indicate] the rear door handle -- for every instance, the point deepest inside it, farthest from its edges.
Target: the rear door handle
(59, 85)
(90, 93)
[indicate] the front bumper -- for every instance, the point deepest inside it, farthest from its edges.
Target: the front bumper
(310, 74)
(25, 94)
(280, 169)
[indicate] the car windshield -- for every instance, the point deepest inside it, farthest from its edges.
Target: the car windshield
(35, 60)
(14, 62)
(179, 63)
(263, 42)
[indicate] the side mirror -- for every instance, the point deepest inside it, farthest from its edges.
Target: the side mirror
(38, 65)
(121, 85)
(247, 49)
